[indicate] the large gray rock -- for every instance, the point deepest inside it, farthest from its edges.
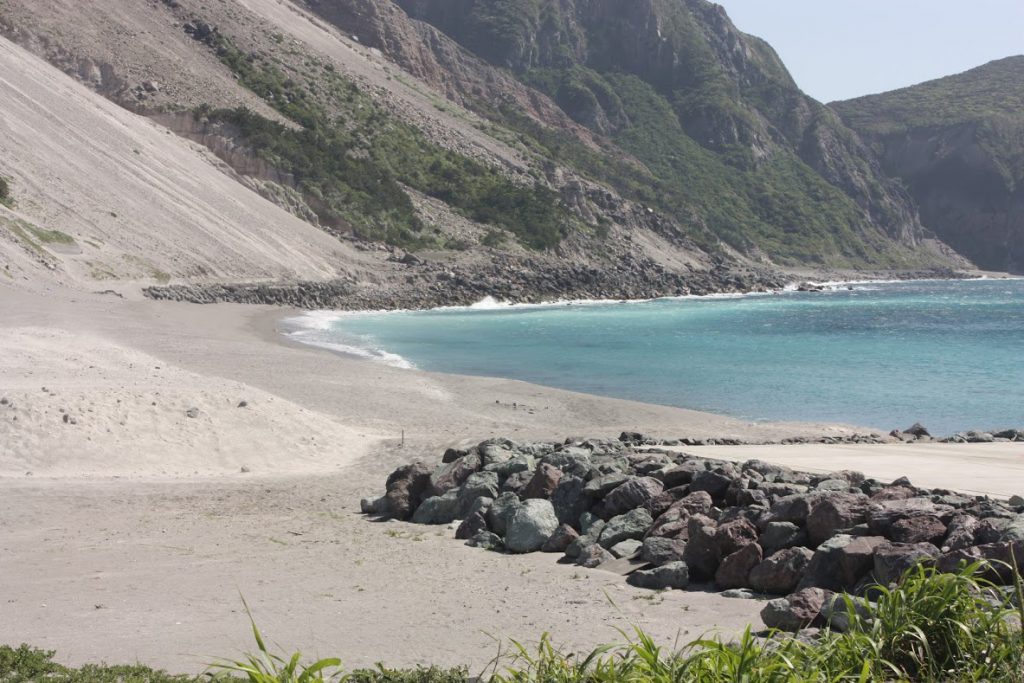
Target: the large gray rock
(671, 575)
(633, 524)
(631, 494)
(501, 512)
(714, 483)
(560, 541)
(696, 503)
(1014, 530)
(893, 559)
(592, 531)
(795, 508)
(1000, 556)
(438, 509)
(920, 529)
(477, 485)
(530, 526)
(961, 533)
(572, 461)
(832, 514)
(799, 610)
(734, 571)
(840, 562)
(658, 550)
(781, 572)
(779, 535)
(471, 526)
(627, 548)
(882, 515)
(599, 487)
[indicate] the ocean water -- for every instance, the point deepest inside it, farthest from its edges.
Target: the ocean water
(949, 354)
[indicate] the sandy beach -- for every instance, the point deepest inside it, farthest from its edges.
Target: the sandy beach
(131, 532)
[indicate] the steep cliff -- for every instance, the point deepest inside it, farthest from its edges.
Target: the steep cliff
(958, 144)
(711, 112)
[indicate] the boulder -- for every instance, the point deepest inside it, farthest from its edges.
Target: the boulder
(658, 550)
(477, 485)
(917, 430)
(921, 529)
(882, 515)
(834, 513)
(516, 482)
(961, 533)
(1014, 530)
(530, 526)
(695, 503)
(406, 488)
(779, 535)
(714, 483)
(543, 483)
(671, 524)
(734, 571)
(795, 508)
(560, 540)
(438, 509)
(631, 494)
(633, 524)
(733, 535)
(893, 559)
(627, 548)
(703, 553)
(781, 572)
(487, 541)
(797, 611)
(671, 575)
(592, 556)
(598, 487)
(840, 562)
(501, 511)
(471, 526)
(1002, 557)
(569, 501)
(453, 474)
(591, 532)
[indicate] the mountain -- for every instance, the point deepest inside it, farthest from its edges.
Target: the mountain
(518, 148)
(958, 144)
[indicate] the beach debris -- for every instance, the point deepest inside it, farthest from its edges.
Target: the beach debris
(192, 412)
(630, 506)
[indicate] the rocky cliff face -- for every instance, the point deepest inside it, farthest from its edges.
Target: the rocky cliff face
(958, 144)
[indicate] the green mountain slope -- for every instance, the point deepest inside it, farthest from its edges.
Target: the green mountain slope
(958, 144)
(712, 115)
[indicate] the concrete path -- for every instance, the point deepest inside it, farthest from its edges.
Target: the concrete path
(996, 469)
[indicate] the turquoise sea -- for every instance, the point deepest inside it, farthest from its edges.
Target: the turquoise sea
(949, 354)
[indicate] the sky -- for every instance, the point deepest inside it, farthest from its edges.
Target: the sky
(838, 49)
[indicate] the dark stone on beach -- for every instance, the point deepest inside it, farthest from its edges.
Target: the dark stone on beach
(569, 501)
(882, 515)
(779, 535)
(840, 562)
(633, 524)
(628, 548)
(406, 488)
(1000, 556)
(452, 454)
(917, 430)
(696, 503)
(733, 535)
(921, 529)
(501, 511)
(703, 553)
(543, 483)
(713, 483)
(438, 509)
(834, 513)
(893, 559)
(477, 485)
(592, 556)
(516, 482)
(452, 475)
(797, 611)
(191, 412)
(672, 575)
(598, 487)
(530, 526)
(589, 537)
(794, 508)
(671, 524)
(780, 573)
(961, 533)
(560, 540)
(659, 551)
(734, 571)
(631, 494)
(487, 541)
(471, 526)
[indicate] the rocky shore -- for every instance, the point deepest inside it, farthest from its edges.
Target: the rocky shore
(674, 521)
(407, 281)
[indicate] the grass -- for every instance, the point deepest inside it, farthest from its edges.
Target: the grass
(930, 627)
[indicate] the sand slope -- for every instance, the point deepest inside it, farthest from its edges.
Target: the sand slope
(139, 202)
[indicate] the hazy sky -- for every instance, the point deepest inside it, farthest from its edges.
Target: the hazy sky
(837, 49)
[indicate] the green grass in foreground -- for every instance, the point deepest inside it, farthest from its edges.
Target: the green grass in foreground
(931, 627)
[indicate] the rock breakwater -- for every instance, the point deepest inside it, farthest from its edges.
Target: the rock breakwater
(672, 520)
